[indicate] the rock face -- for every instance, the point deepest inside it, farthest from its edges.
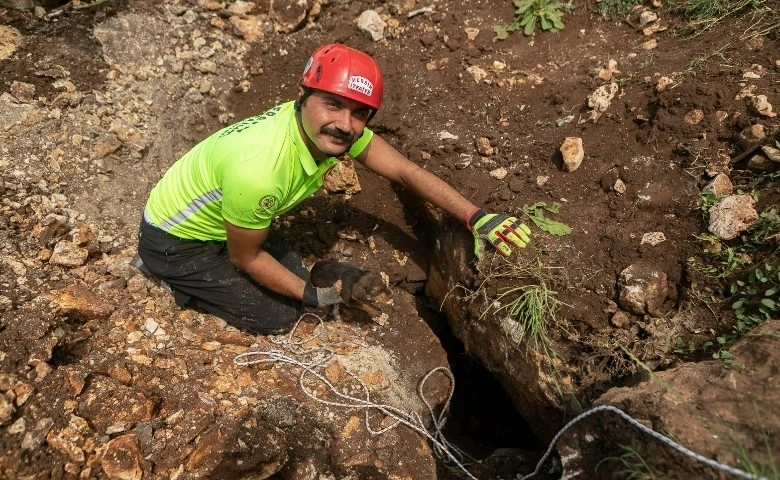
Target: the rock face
(695, 404)
(134, 401)
(525, 375)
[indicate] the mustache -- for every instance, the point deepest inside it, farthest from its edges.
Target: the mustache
(339, 134)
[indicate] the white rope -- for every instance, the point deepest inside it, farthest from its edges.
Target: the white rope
(707, 461)
(442, 448)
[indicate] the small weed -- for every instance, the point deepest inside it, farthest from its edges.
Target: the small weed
(724, 260)
(767, 468)
(529, 13)
(528, 309)
(701, 15)
(617, 8)
(726, 356)
(630, 464)
(702, 60)
(757, 298)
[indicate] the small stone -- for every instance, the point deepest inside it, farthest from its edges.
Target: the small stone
(34, 438)
(66, 447)
(477, 73)
(602, 97)
(120, 374)
(771, 153)
(762, 106)
(342, 178)
(499, 173)
(642, 289)
(573, 153)
(121, 458)
(732, 215)
(19, 426)
(248, 27)
(751, 136)
(650, 44)
(620, 319)
(151, 326)
(239, 7)
(663, 83)
(370, 23)
(653, 238)
(760, 162)
(68, 254)
(484, 148)
(647, 17)
(746, 92)
(24, 92)
(105, 144)
(720, 186)
(7, 410)
(463, 161)
(619, 187)
(694, 117)
(542, 179)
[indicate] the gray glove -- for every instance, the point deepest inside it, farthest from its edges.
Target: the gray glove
(316, 297)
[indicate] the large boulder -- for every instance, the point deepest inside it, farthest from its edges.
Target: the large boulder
(702, 406)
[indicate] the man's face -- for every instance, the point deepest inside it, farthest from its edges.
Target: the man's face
(331, 123)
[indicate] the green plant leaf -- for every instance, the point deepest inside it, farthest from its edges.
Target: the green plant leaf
(536, 213)
(769, 303)
(501, 31)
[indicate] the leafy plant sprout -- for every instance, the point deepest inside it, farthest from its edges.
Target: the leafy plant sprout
(529, 13)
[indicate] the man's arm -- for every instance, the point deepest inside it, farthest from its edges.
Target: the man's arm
(382, 158)
(501, 231)
(245, 248)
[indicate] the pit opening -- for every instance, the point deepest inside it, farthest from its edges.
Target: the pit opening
(482, 419)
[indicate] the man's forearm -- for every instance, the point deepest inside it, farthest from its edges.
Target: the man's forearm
(271, 274)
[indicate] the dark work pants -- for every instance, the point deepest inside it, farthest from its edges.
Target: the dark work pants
(202, 277)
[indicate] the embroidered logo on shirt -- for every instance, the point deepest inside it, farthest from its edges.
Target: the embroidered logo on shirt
(265, 205)
(361, 84)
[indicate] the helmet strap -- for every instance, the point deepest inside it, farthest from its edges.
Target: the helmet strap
(302, 99)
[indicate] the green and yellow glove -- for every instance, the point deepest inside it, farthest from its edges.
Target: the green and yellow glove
(499, 230)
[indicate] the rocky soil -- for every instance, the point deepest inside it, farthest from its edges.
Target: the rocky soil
(659, 147)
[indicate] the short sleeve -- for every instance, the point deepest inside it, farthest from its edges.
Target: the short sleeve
(361, 143)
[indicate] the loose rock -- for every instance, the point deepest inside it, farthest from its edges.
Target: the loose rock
(732, 216)
(370, 23)
(68, 254)
(720, 186)
(642, 289)
(573, 153)
(761, 105)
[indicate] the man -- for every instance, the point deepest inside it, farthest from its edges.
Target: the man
(206, 231)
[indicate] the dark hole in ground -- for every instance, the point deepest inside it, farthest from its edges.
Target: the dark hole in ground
(482, 418)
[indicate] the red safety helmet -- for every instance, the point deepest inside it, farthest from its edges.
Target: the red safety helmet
(342, 70)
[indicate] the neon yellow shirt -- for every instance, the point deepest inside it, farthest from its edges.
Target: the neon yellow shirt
(246, 174)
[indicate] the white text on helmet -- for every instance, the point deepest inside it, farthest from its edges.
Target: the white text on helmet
(361, 85)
